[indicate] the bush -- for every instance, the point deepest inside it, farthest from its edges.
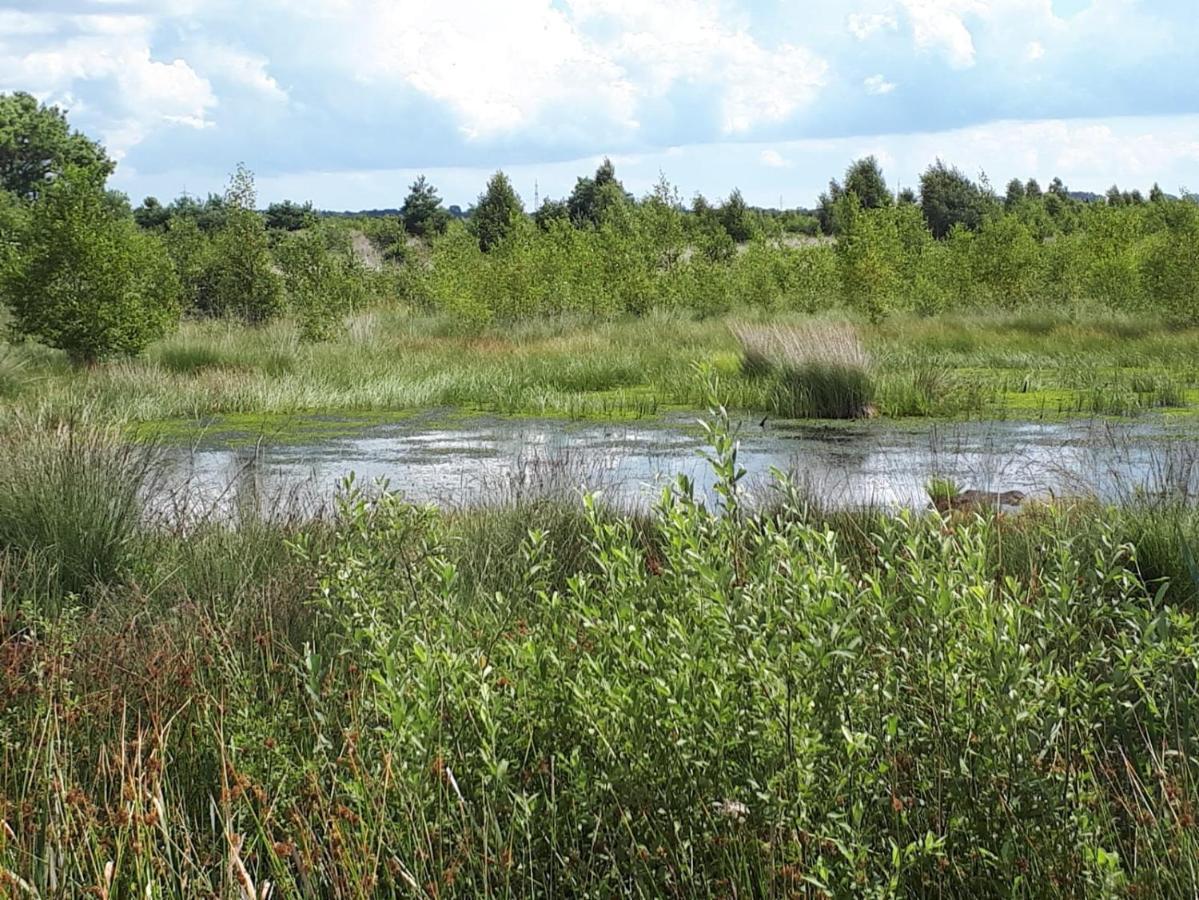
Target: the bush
(244, 280)
(1170, 265)
(89, 283)
(194, 257)
(323, 285)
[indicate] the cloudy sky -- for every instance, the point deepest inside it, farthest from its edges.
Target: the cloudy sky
(343, 101)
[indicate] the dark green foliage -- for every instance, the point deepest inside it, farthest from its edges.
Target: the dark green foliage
(826, 207)
(14, 215)
(37, 145)
(86, 282)
(290, 216)
(422, 212)
(949, 198)
(152, 215)
(551, 211)
(1015, 195)
(864, 178)
(209, 216)
(498, 207)
(737, 218)
(594, 200)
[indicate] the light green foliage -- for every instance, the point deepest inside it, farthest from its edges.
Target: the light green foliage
(37, 145)
(868, 257)
(86, 282)
(245, 283)
(1004, 264)
(396, 700)
(1170, 269)
(193, 255)
(324, 284)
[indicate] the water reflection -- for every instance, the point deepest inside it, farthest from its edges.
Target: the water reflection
(480, 460)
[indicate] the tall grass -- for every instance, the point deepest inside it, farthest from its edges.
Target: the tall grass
(583, 368)
(554, 698)
(72, 496)
(820, 369)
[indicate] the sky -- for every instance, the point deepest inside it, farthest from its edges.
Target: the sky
(344, 102)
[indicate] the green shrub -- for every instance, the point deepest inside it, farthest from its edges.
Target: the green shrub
(323, 285)
(245, 282)
(1170, 265)
(86, 282)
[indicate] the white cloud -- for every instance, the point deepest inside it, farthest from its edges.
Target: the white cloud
(865, 25)
(878, 85)
(14, 22)
(247, 70)
(594, 64)
(774, 159)
(673, 42)
(498, 67)
(1034, 51)
(115, 54)
(937, 24)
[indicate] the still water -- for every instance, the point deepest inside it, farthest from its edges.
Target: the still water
(476, 460)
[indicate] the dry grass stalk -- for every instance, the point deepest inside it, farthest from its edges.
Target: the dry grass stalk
(802, 344)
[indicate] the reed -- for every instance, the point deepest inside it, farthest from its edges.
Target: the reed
(819, 369)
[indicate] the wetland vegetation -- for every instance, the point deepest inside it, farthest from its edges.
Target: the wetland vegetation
(549, 694)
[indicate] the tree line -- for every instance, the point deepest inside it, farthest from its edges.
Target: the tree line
(84, 271)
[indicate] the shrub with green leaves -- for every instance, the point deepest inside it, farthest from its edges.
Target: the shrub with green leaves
(245, 282)
(87, 282)
(323, 285)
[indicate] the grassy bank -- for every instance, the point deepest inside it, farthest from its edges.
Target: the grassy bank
(395, 701)
(995, 366)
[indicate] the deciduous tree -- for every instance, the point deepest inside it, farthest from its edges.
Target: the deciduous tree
(89, 283)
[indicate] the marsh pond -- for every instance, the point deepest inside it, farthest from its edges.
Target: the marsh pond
(469, 461)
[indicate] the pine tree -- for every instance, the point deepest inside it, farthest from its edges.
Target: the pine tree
(422, 212)
(498, 206)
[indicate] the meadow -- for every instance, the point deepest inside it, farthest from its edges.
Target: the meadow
(1023, 366)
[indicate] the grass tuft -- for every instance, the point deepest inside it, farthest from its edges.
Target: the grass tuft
(820, 368)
